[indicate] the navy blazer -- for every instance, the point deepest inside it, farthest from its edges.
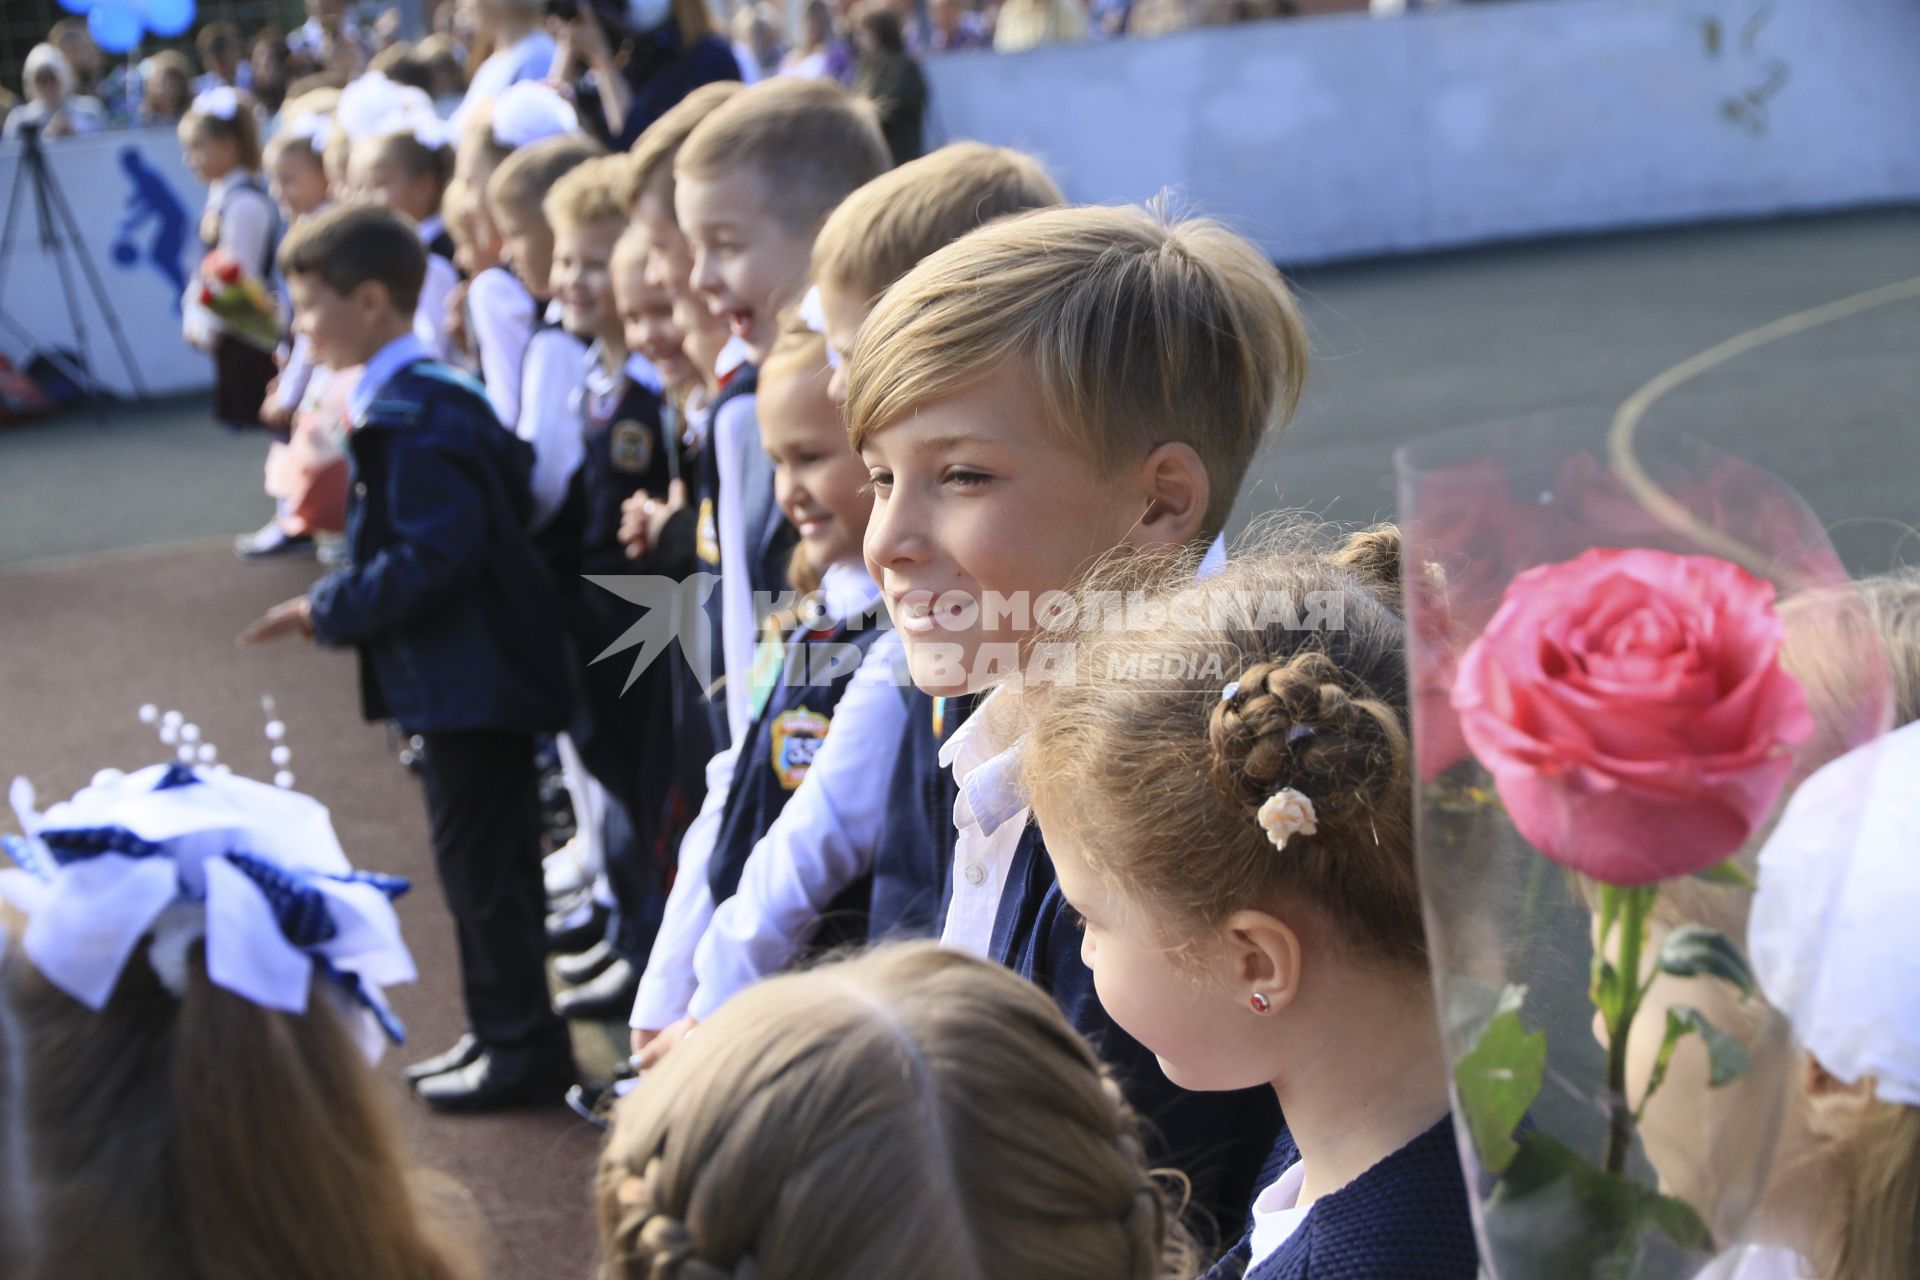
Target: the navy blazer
(1406, 1218)
(453, 612)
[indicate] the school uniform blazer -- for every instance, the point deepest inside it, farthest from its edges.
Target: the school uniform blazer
(453, 613)
(1404, 1219)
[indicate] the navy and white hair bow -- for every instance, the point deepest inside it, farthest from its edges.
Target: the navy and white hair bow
(180, 854)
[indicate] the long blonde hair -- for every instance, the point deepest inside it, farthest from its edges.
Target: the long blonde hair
(913, 1112)
(198, 1138)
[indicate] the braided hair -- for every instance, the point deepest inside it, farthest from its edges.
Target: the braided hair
(1161, 778)
(914, 1111)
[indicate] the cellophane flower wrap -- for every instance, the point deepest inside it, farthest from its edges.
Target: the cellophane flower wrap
(1604, 727)
(239, 301)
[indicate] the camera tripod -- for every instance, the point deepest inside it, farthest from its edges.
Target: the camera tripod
(59, 239)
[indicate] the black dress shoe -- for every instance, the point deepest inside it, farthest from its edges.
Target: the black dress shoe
(464, 1051)
(577, 928)
(500, 1079)
(607, 998)
(585, 967)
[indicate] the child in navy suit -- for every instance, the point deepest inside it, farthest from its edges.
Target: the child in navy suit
(1228, 802)
(1054, 388)
(456, 623)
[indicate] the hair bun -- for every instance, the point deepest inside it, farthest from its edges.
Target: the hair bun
(1373, 556)
(1297, 724)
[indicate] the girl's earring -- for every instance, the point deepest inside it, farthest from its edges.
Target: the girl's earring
(1260, 1003)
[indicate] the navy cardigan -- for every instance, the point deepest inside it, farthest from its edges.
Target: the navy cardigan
(451, 608)
(1406, 1218)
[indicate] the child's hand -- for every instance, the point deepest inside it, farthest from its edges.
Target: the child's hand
(639, 1040)
(457, 319)
(643, 516)
(664, 1043)
(276, 415)
(291, 617)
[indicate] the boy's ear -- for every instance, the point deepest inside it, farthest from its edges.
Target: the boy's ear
(1176, 486)
(371, 297)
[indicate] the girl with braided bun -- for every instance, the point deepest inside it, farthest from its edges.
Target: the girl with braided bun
(912, 1112)
(1227, 800)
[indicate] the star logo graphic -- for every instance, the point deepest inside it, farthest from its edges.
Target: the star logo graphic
(675, 610)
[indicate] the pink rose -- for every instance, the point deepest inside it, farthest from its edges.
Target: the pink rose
(1633, 711)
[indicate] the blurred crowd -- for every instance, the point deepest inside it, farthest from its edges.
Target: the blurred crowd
(68, 85)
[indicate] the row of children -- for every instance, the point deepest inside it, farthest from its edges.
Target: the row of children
(1026, 395)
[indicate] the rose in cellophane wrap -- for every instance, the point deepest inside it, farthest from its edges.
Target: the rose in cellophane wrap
(1605, 728)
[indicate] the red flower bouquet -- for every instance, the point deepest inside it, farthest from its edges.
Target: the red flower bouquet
(239, 301)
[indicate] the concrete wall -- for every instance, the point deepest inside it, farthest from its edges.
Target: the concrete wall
(1344, 136)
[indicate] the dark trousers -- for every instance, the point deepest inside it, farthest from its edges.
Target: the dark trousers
(483, 803)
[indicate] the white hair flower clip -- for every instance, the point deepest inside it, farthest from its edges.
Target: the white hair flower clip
(1286, 814)
(222, 103)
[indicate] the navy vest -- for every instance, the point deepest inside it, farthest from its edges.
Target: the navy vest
(817, 671)
(913, 859)
(265, 267)
(626, 452)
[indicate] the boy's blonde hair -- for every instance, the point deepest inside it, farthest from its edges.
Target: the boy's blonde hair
(1160, 780)
(913, 1112)
(811, 143)
(588, 194)
(526, 175)
(882, 230)
(1136, 330)
(141, 1145)
(631, 249)
(655, 149)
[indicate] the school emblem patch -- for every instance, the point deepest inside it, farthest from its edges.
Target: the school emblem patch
(631, 447)
(706, 538)
(797, 736)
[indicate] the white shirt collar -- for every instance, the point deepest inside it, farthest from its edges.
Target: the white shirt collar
(847, 590)
(1277, 1213)
(1215, 560)
(732, 356)
(987, 770)
(430, 227)
(379, 371)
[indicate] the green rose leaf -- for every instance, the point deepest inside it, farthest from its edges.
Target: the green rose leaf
(1693, 951)
(1570, 1219)
(1729, 873)
(1498, 1079)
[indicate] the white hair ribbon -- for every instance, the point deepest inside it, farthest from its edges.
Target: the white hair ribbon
(813, 314)
(527, 111)
(221, 102)
(1832, 932)
(181, 853)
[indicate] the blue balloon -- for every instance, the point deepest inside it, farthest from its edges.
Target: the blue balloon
(78, 6)
(115, 26)
(169, 18)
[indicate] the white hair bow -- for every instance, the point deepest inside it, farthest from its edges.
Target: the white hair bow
(1832, 932)
(181, 854)
(527, 111)
(221, 102)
